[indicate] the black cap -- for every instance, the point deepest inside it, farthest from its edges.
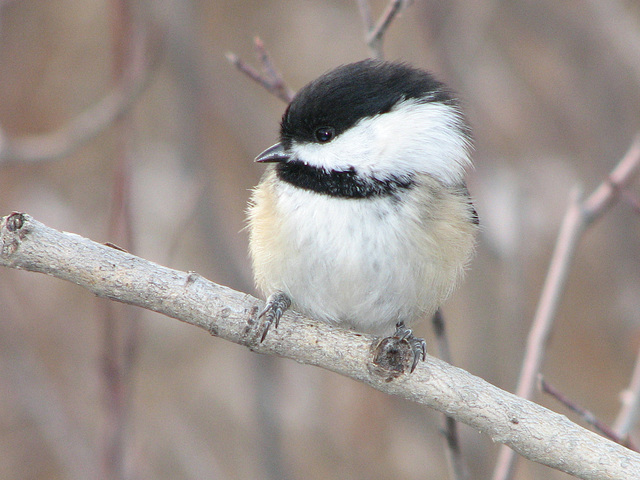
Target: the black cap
(340, 98)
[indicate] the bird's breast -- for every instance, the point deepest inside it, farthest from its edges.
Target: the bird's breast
(366, 263)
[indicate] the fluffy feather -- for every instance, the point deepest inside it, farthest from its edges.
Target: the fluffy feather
(368, 263)
(364, 220)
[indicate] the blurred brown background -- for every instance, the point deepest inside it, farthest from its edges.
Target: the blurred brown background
(552, 92)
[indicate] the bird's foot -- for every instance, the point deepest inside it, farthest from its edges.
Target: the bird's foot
(393, 354)
(276, 305)
(418, 345)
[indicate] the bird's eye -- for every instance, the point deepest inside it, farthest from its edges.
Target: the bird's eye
(325, 134)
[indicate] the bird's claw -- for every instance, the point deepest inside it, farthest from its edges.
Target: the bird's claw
(276, 305)
(418, 345)
(393, 354)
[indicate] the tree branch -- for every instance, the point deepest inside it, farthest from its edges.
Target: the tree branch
(628, 415)
(457, 466)
(580, 214)
(533, 431)
(374, 33)
(585, 414)
(270, 78)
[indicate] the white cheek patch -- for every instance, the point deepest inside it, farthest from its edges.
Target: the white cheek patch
(413, 137)
(347, 150)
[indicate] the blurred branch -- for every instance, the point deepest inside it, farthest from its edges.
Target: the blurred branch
(628, 416)
(365, 13)
(580, 214)
(585, 414)
(457, 465)
(119, 323)
(88, 124)
(533, 431)
(374, 32)
(270, 78)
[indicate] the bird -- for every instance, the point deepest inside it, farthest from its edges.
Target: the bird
(362, 218)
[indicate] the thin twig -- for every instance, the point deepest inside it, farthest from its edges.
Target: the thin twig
(380, 28)
(457, 465)
(270, 78)
(374, 33)
(365, 14)
(588, 416)
(271, 71)
(579, 216)
(628, 415)
(607, 193)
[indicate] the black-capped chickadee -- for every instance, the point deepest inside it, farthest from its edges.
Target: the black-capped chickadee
(362, 218)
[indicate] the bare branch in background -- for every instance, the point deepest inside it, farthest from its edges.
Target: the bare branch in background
(628, 416)
(588, 416)
(119, 323)
(374, 33)
(85, 126)
(533, 431)
(457, 465)
(365, 14)
(579, 216)
(270, 78)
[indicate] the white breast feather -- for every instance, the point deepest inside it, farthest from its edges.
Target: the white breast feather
(365, 263)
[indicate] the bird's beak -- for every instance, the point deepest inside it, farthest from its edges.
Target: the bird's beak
(275, 153)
